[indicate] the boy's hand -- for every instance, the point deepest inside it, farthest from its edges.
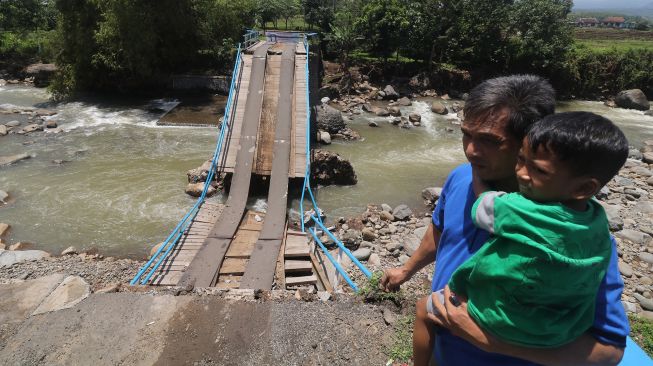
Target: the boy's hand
(392, 279)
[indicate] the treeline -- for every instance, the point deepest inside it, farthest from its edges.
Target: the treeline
(131, 44)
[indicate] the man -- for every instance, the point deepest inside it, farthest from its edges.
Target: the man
(498, 114)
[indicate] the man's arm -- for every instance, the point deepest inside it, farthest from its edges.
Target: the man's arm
(585, 350)
(423, 256)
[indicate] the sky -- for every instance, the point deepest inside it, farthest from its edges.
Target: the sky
(611, 4)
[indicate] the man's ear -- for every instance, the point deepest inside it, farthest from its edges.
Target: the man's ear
(586, 189)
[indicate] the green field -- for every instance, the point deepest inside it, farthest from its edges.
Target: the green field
(600, 45)
(605, 39)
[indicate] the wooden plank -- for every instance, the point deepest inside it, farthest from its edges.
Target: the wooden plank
(279, 273)
(302, 280)
(292, 266)
(235, 266)
(228, 282)
(167, 279)
(320, 273)
(243, 244)
(251, 223)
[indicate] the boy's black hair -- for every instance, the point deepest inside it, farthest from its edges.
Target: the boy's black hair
(590, 143)
(527, 98)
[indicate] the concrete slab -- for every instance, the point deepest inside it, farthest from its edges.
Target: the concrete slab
(18, 300)
(9, 258)
(69, 293)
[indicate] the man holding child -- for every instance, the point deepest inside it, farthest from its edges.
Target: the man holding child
(498, 115)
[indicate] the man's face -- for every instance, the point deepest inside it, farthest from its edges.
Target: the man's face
(490, 147)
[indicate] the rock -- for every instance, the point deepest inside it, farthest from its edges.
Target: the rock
(403, 259)
(644, 207)
(614, 217)
(368, 234)
(19, 299)
(374, 260)
(351, 238)
(649, 113)
(625, 269)
(411, 243)
(7, 160)
(324, 137)
(3, 228)
(20, 246)
(196, 189)
(394, 111)
(389, 317)
(390, 93)
(31, 128)
(325, 100)
(329, 119)
(414, 117)
(3, 130)
(372, 124)
(439, 108)
(362, 254)
(69, 250)
(387, 216)
(647, 157)
(404, 102)
(381, 112)
(9, 258)
(323, 296)
(431, 194)
(51, 124)
(12, 124)
(629, 306)
(329, 91)
(2, 246)
(456, 107)
(402, 212)
(199, 174)
(646, 314)
(634, 236)
(367, 107)
(42, 73)
(386, 207)
(330, 168)
(69, 293)
(635, 154)
(632, 99)
(114, 287)
(610, 103)
(646, 257)
(644, 302)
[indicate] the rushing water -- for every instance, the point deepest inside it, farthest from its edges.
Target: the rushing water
(120, 188)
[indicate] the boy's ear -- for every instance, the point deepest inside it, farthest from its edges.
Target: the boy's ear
(586, 189)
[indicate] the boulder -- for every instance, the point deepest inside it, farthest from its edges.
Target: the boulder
(374, 260)
(625, 269)
(439, 108)
(367, 108)
(324, 137)
(404, 102)
(644, 302)
(372, 124)
(196, 189)
(12, 124)
(3, 196)
(9, 258)
(647, 157)
(3, 228)
(414, 117)
(329, 91)
(390, 93)
(42, 73)
(362, 254)
(31, 128)
(649, 113)
(456, 107)
(431, 194)
(20, 246)
(7, 160)
(632, 99)
(633, 236)
(394, 111)
(381, 112)
(386, 207)
(69, 251)
(330, 168)
(199, 174)
(51, 124)
(3, 130)
(368, 234)
(402, 212)
(351, 238)
(329, 119)
(387, 216)
(69, 293)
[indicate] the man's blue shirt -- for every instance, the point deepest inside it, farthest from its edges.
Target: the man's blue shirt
(460, 239)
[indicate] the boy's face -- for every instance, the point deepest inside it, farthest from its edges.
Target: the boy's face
(543, 177)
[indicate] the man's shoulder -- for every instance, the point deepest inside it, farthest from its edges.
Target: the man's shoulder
(460, 174)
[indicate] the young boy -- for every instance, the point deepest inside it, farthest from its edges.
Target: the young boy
(535, 281)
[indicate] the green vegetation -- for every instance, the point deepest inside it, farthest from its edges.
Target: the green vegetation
(402, 347)
(602, 45)
(641, 330)
(372, 292)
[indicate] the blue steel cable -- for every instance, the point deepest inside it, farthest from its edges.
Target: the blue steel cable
(333, 261)
(176, 232)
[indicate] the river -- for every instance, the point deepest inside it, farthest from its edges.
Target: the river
(120, 187)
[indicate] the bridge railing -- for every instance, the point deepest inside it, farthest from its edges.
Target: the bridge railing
(150, 268)
(316, 219)
(250, 38)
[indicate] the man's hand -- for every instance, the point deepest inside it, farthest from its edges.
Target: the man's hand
(393, 278)
(458, 322)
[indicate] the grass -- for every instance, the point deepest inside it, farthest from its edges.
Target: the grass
(402, 347)
(371, 291)
(366, 56)
(603, 45)
(295, 23)
(641, 330)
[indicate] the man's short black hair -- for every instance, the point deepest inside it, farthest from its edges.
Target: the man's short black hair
(591, 144)
(527, 97)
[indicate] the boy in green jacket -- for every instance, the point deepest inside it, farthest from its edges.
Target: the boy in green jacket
(534, 282)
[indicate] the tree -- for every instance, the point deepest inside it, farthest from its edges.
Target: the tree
(384, 24)
(318, 13)
(22, 15)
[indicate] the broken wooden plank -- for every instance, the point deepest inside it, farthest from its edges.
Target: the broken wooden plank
(299, 281)
(233, 266)
(292, 266)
